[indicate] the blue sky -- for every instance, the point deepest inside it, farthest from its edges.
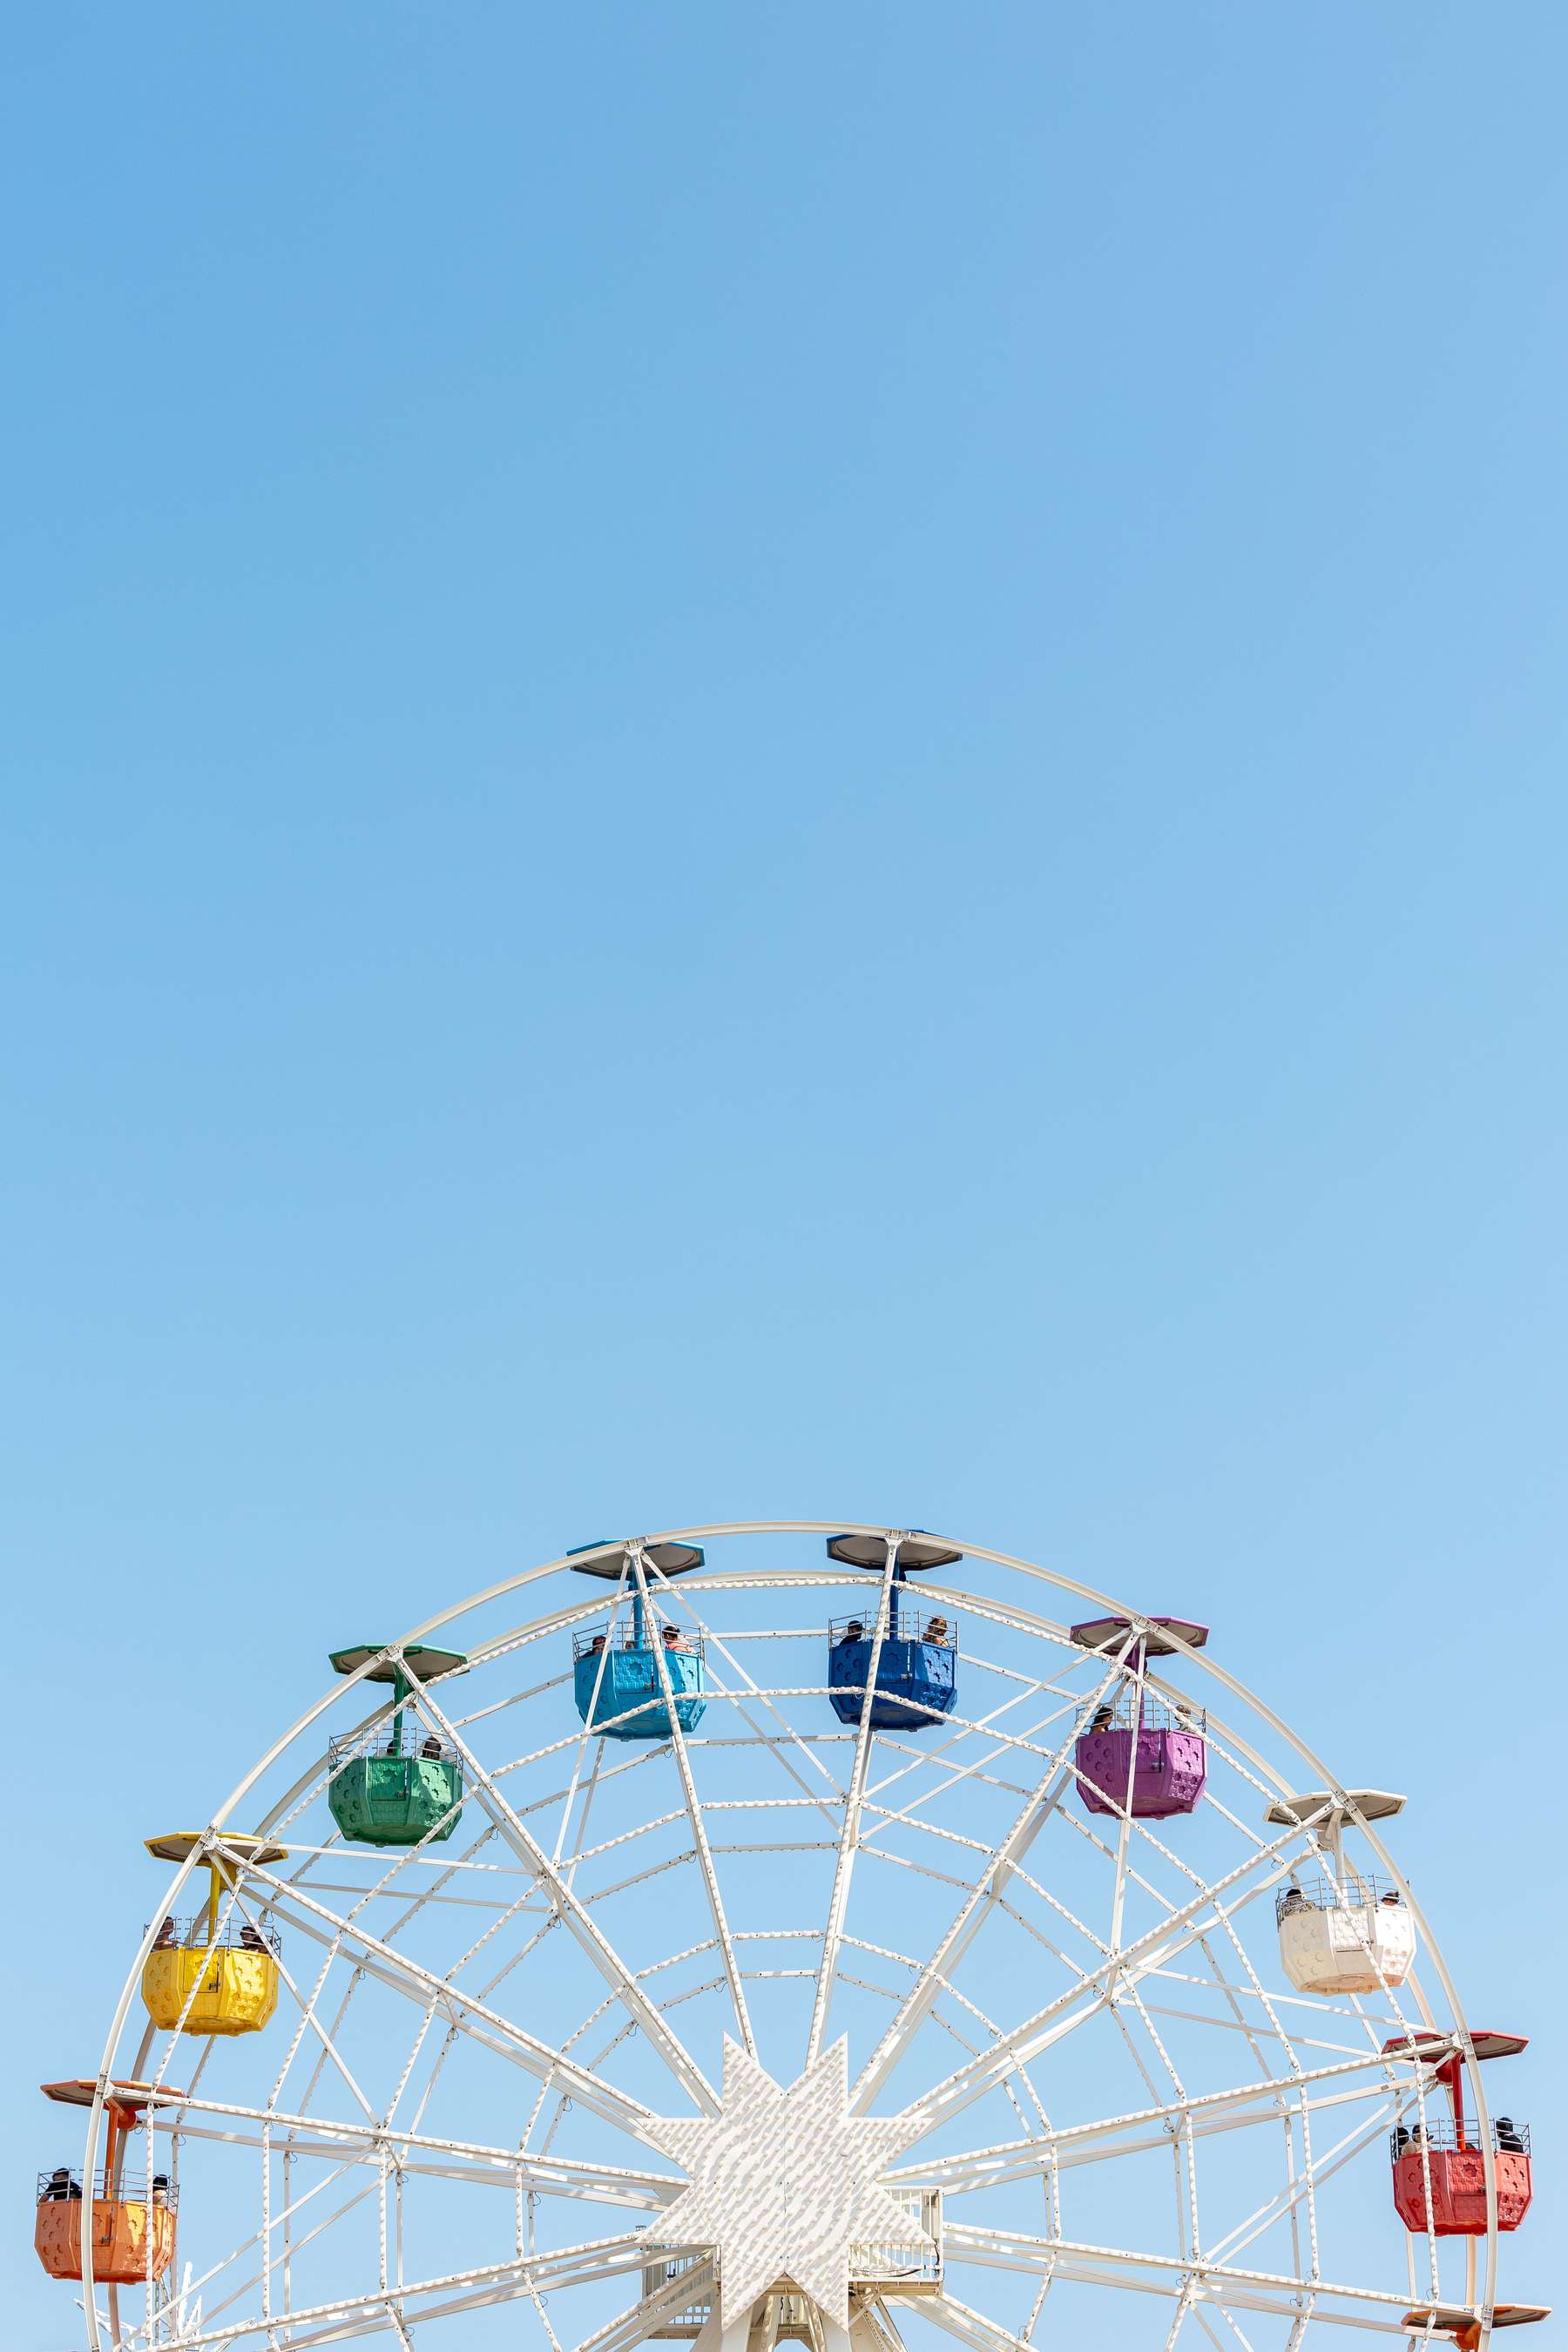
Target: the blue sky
(783, 762)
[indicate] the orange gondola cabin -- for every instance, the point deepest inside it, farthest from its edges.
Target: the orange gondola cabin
(130, 2237)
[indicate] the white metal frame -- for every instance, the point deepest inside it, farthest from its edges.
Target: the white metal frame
(891, 1813)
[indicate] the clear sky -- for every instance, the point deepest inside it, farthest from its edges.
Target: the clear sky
(781, 760)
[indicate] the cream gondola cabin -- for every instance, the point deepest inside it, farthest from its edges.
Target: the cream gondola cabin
(1348, 1930)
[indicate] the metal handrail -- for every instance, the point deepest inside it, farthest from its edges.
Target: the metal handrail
(904, 1625)
(233, 1935)
(1443, 2134)
(1365, 1894)
(596, 1639)
(1120, 1714)
(53, 2191)
(411, 1742)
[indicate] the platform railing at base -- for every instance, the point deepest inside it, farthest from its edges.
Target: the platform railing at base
(913, 2267)
(910, 2267)
(657, 2276)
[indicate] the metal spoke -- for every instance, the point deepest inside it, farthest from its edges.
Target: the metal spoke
(470, 2016)
(849, 1834)
(1018, 2159)
(1011, 2250)
(1162, 1942)
(644, 2318)
(500, 2281)
(970, 1917)
(694, 1812)
(573, 1916)
(557, 2175)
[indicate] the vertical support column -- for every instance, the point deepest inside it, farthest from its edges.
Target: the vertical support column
(1334, 1838)
(858, 2337)
(752, 2332)
(1453, 2077)
(764, 2331)
(401, 1689)
(113, 2136)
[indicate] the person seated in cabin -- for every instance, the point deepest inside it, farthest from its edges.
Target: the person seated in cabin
(1510, 2138)
(674, 1639)
(854, 1631)
(165, 1936)
(1400, 2141)
(937, 1631)
(1417, 2137)
(251, 1939)
(430, 1748)
(1101, 1720)
(1294, 1900)
(596, 1645)
(58, 2186)
(1392, 1899)
(159, 2189)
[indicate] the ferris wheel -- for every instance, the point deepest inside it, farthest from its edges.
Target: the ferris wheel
(786, 1933)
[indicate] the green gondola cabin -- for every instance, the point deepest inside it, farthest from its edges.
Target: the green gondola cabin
(399, 1783)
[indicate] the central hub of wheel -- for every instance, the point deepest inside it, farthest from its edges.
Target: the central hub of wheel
(783, 2184)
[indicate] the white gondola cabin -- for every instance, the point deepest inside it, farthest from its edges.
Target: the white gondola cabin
(1345, 1931)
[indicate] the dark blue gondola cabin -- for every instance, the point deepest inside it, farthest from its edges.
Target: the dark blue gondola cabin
(631, 1678)
(917, 1664)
